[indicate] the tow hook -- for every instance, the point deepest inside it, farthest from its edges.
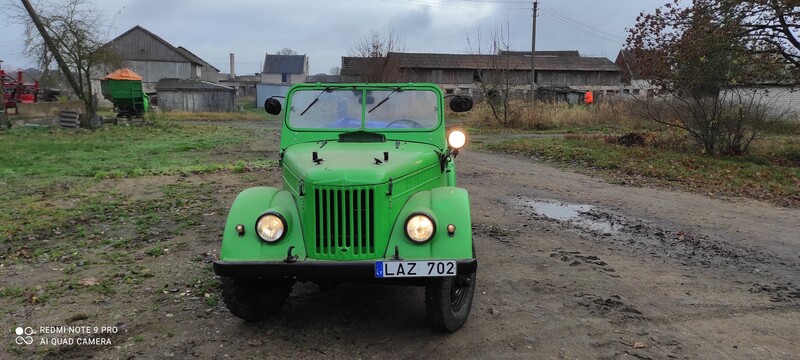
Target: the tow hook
(462, 281)
(289, 257)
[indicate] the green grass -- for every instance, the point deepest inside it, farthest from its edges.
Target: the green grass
(112, 151)
(767, 175)
(48, 177)
(155, 251)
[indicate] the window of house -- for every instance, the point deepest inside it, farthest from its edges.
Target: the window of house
(476, 76)
(285, 77)
(450, 91)
(635, 92)
(463, 91)
(626, 91)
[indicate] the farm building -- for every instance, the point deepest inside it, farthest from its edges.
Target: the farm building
(635, 80)
(560, 75)
(284, 69)
(194, 95)
(245, 85)
(153, 58)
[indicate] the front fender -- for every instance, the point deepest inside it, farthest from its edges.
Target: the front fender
(248, 206)
(446, 205)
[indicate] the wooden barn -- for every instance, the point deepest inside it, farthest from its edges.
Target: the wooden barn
(194, 96)
(560, 75)
(153, 58)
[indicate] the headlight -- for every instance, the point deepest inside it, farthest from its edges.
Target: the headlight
(456, 139)
(420, 227)
(271, 227)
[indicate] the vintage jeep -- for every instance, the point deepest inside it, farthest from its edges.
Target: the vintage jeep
(369, 194)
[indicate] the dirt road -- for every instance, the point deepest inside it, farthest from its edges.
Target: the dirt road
(569, 267)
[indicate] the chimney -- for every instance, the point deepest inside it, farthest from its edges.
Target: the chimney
(233, 68)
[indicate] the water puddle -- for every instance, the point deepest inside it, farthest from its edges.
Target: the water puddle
(584, 217)
(558, 211)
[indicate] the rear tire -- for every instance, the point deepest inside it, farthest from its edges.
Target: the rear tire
(448, 301)
(253, 299)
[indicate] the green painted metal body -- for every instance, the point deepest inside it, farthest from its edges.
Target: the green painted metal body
(353, 204)
(127, 95)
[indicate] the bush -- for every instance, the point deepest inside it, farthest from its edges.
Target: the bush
(725, 123)
(562, 116)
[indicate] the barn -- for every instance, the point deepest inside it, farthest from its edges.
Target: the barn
(153, 58)
(194, 96)
(560, 75)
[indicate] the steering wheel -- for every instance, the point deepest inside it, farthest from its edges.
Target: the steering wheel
(412, 123)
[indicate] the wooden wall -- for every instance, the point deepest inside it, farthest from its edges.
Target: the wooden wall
(194, 101)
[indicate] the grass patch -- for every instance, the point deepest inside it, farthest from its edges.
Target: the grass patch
(246, 115)
(770, 174)
(111, 151)
(49, 177)
(155, 251)
(558, 118)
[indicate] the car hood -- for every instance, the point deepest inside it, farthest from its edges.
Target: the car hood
(351, 163)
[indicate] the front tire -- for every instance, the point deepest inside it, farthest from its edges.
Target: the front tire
(253, 299)
(448, 301)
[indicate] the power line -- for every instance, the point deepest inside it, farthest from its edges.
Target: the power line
(454, 6)
(553, 13)
(583, 30)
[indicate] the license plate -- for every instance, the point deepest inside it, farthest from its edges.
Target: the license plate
(385, 269)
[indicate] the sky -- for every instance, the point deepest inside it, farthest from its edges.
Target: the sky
(328, 30)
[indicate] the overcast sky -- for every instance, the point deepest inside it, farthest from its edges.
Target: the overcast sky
(326, 30)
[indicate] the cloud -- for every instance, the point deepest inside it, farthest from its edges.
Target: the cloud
(325, 30)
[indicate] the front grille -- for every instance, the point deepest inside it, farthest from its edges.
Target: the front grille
(344, 222)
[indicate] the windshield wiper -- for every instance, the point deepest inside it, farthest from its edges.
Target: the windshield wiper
(384, 100)
(315, 100)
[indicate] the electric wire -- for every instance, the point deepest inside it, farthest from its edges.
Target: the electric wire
(577, 24)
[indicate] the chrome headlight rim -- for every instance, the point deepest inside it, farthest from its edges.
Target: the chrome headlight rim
(413, 215)
(283, 222)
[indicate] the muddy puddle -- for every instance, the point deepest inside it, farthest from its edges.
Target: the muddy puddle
(576, 215)
(660, 240)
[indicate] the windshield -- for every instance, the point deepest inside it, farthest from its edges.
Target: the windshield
(383, 109)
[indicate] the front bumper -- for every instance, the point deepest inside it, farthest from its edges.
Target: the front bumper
(314, 269)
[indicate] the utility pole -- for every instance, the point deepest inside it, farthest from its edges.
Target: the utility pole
(533, 53)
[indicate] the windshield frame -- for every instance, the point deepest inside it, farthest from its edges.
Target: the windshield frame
(364, 88)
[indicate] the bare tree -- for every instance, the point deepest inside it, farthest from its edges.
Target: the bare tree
(497, 74)
(375, 48)
(335, 71)
(73, 30)
(286, 51)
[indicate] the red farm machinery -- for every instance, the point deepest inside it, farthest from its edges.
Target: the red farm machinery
(16, 90)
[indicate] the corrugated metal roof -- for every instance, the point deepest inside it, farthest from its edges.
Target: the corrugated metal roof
(562, 53)
(467, 61)
(194, 85)
(182, 52)
(352, 65)
(284, 64)
(193, 58)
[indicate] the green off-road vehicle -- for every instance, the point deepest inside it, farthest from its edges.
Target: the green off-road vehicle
(369, 194)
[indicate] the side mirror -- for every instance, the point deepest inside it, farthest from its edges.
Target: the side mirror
(460, 103)
(272, 106)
